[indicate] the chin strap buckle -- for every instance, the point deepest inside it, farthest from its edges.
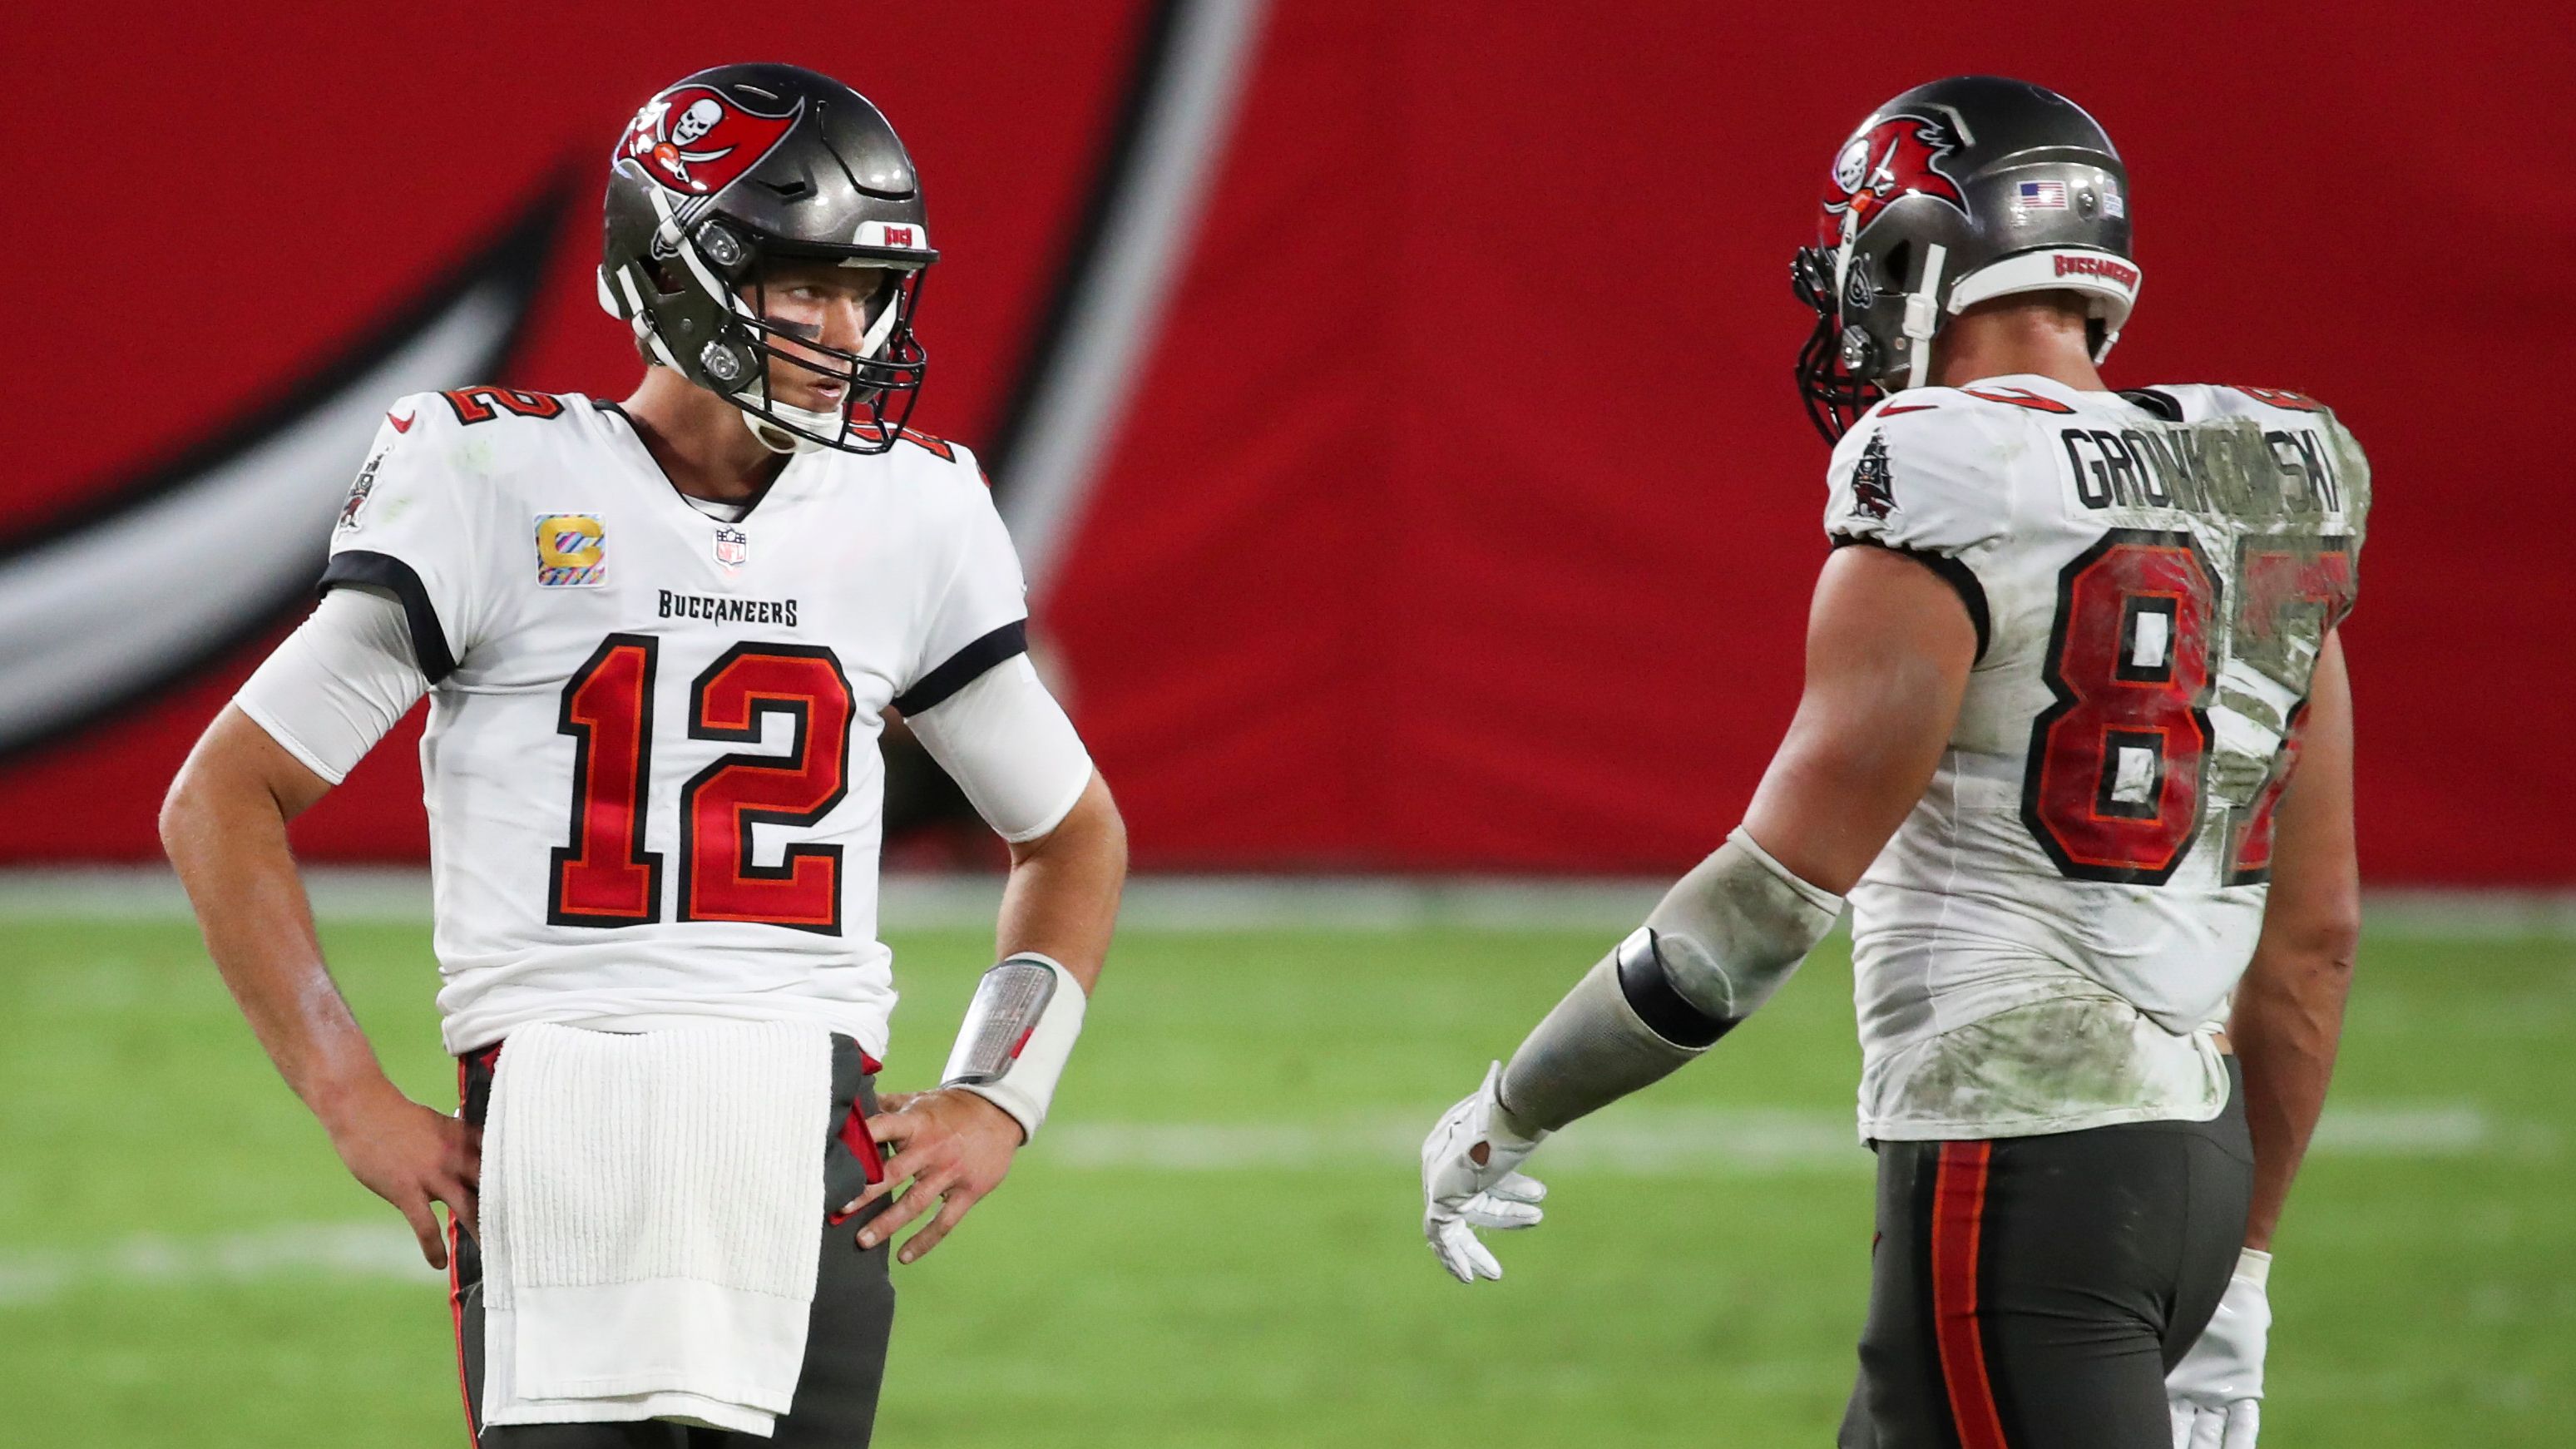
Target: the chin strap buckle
(1923, 316)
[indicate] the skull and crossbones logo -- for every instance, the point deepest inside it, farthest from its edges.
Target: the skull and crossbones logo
(695, 140)
(673, 155)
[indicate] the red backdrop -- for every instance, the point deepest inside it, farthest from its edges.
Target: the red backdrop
(1463, 515)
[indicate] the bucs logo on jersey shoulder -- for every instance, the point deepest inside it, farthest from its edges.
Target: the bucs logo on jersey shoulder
(1873, 491)
(572, 551)
(697, 141)
(1903, 155)
(360, 491)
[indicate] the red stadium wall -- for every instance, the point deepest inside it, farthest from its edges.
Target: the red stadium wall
(1462, 515)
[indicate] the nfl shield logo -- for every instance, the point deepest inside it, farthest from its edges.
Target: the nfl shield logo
(733, 546)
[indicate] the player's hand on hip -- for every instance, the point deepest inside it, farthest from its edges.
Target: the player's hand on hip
(2216, 1392)
(953, 1146)
(412, 1156)
(1470, 1181)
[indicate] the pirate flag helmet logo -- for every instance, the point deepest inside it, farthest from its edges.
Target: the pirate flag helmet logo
(1900, 156)
(695, 140)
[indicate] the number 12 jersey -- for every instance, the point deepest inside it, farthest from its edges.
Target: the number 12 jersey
(2050, 940)
(651, 767)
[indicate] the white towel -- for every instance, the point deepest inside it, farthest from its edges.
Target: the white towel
(651, 1223)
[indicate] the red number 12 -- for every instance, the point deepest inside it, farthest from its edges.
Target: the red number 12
(606, 877)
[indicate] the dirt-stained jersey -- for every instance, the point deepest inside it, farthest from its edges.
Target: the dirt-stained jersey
(651, 762)
(2050, 940)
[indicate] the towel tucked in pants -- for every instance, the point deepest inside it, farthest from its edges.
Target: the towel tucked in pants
(845, 1343)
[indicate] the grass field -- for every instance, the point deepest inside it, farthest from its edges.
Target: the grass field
(1217, 1244)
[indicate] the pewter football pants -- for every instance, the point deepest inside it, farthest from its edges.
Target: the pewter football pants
(2031, 1292)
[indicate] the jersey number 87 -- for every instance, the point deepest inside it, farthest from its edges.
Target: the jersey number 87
(2119, 763)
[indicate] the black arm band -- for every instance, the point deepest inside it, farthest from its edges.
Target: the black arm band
(1651, 995)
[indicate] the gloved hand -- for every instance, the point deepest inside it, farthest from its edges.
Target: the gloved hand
(2216, 1392)
(1469, 1181)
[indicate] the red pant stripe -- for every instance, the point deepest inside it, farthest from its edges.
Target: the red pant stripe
(1958, 1220)
(456, 1294)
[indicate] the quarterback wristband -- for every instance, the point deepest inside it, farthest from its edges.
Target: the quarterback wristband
(1018, 1033)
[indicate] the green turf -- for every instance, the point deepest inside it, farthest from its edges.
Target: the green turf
(2423, 1298)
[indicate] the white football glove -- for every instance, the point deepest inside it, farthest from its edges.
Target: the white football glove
(2216, 1392)
(1468, 1182)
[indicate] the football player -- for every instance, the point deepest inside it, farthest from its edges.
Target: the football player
(2076, 744)
(658, 637)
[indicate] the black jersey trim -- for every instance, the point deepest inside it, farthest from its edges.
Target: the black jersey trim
(2163, 404)
(964, 667)
(1957, 575)
(384, 571)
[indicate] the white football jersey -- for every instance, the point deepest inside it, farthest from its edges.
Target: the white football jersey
(2050, 940)
(651, 763)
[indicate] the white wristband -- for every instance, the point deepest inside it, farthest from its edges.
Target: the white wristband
(1018, 1033)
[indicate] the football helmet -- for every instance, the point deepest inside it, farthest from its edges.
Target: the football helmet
(1952, 194)
(736, 166)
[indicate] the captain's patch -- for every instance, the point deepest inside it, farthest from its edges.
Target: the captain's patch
(572, 551)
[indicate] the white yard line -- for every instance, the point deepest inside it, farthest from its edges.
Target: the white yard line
(336, 1250)
(1698, 1144)
(400, 896)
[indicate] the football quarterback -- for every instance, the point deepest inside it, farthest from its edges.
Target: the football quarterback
(2075, 747)
(659, 639)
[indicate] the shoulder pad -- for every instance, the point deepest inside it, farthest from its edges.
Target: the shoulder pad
(1998, 398)
(2199, 400)
(1923, 472)
(406, 416)
(2012, 397)
(2282, 399)
(418, 451)
(1911, 400)
(2163, 405)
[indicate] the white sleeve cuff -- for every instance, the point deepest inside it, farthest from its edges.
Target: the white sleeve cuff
(1008, 745)
(337, 684)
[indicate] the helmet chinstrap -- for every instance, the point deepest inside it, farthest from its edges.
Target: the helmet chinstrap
(884, 380)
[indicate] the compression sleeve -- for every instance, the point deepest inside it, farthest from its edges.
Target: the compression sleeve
(338, 683)
(1007, 743)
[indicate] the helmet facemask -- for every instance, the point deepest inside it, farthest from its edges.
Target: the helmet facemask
(707, 273)
(1837, 364)
(1874, 323)
(880, 378)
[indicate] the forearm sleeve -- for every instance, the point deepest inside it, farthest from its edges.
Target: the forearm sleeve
(338, 683)
(1719, 943)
